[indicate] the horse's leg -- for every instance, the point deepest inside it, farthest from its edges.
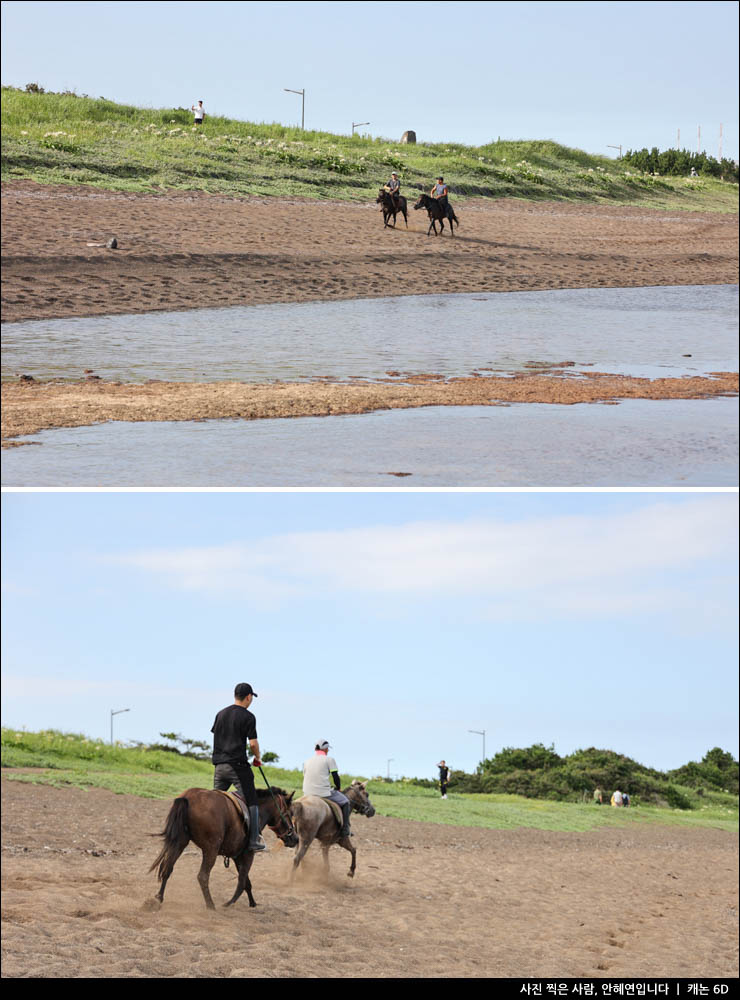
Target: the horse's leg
(405, 215)
(299, 855)
(209, 860)
(346, 843)
(243, 864)
(168, 871)
(325, 852)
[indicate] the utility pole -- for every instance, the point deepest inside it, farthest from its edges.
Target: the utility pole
(678, 139)
(302, 94)
(619, 158)
(112, 713)
(390, 760)
(720, 143)
(698, 142)
(357, 125)
(480, 732)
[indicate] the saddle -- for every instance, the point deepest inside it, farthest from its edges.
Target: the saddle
(238, 802)
(337, 812)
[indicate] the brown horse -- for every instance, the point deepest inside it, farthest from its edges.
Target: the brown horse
(391, 207)
(437, 214)
(212, 821)
(315, 820)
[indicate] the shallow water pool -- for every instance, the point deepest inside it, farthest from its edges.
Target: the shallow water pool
(637, 443)
(648, 332)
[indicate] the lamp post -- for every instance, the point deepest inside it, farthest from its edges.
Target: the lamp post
(357, 125)
(302, 94)
(112, 713)
(616, 147)
(480, 732)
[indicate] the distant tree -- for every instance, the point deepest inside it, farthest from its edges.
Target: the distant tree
(270, 757)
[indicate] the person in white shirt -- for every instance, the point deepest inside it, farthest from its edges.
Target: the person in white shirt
(319, 772)
(199, 112)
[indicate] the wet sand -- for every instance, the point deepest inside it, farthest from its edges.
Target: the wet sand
(192, 250)
(29, 407)
(427, 900)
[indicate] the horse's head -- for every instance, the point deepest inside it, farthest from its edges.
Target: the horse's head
(382, 195)
(420, 203)
(359, 799)
(279, 821)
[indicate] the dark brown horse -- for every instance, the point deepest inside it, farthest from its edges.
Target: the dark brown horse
(213, 821)
(391, 207)
(315, 820)
(437, 214)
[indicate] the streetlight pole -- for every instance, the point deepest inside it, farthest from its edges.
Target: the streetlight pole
(112, 713)
(357, 125)
(302, 94)
(390, 759)
(480, 732)
(616, 147)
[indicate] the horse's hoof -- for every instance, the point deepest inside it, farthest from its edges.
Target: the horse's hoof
(252, 906)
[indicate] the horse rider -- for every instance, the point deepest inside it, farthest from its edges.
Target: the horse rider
(440, 192)
(317, 772)
(235, 727)
(393, 187)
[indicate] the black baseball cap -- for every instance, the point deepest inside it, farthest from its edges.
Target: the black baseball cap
(242, 690)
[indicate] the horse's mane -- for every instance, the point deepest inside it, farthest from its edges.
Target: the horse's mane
(264, 793)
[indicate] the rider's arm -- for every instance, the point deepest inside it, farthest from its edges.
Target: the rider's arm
(255, 749)
(335, 779)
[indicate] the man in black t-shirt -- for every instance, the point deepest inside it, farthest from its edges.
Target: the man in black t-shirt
(233, 729)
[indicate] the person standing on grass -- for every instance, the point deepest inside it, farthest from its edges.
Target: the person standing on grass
(235, 728)
(199, 112)
(444, 775)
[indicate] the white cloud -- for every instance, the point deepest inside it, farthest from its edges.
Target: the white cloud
(574, 565)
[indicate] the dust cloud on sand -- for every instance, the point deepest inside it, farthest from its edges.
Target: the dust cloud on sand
(427, 901)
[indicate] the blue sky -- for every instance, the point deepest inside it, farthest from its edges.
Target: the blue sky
(589, 75)
(389, 623)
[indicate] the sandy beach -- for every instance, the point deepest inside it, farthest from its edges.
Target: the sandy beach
(190, 250)
(193, 250)
(427, 900)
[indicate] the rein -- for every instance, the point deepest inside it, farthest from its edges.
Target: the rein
(287, 822)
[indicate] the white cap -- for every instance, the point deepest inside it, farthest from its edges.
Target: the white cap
(322, 744)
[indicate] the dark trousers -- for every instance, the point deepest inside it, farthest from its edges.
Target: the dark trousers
(239, 774)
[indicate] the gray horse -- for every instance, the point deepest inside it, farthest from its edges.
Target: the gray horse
(314, 819)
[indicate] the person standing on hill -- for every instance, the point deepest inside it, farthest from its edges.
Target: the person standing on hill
(199, 112)
(444, 775)
(234, 728)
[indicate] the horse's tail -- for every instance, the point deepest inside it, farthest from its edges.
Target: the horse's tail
(176, 838)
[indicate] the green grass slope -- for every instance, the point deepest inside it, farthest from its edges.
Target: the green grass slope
(66, 760)
(66, 139)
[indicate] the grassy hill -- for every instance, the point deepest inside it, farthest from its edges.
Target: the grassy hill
(67, 139)
(71, 760)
